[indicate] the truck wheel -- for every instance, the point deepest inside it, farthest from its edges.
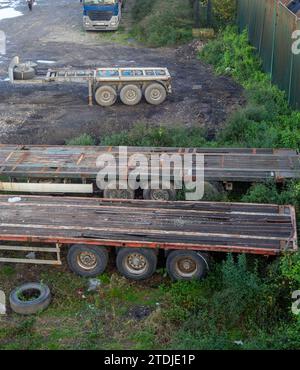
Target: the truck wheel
(155, 94)
(111, 193)
(24, 73)
(186, 265)
(30, 298)
(131, 95)
(87, 260)
(105, 96)
(160, 194)
(136, 263)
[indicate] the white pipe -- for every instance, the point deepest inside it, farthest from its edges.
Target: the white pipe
(46, 187)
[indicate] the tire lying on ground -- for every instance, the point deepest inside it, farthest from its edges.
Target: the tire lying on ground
(30, 298)
(87, 260)
(136, 263)
(155, 94)
(187, 265)
(24, 72)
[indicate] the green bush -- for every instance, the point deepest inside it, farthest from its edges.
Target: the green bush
(164, 23)
(147, 135)
(269, 193)
(83, 139)
(266, 120)
(235, 303)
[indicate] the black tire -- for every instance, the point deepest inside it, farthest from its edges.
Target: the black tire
(160, 194)
(105, 96)
(146, 257)
(32, 306)
(24, 73)
(187, 265)
(111, 193)
(87, 260)
(131, 95)
(155, 94)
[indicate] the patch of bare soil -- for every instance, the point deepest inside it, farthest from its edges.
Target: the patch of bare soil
(51, 114)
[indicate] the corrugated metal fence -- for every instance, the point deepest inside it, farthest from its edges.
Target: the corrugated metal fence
(270, 26)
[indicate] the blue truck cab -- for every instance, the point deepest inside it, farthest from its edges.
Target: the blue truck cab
(102, 15)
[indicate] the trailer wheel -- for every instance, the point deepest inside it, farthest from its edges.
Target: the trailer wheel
(131, 95)
(87, 260)
(136, 263)
(30, 298)
(160, 194)
(24, 72)
(105, 96)
(155, 94)
(186, 265)
(110, 192)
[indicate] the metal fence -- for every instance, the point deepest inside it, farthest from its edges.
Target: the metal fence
(271, 25)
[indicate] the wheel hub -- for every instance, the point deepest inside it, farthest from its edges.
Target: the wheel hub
(155, 94)
(186, 266)
(160, 195)
(87, 260)
(136, 262)
(131, 95)
(106, 96)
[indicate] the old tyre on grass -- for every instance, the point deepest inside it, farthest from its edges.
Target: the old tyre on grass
(155, 94)
(87, 260)
(187, 265)
(24, 72)
(131, 95)
(30, 298)
(105, 96)
(136, 263)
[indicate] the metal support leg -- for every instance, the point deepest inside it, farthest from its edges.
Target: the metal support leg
(90, 94)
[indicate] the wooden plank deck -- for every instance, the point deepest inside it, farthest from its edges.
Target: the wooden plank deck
(226, 227)
(245, 165)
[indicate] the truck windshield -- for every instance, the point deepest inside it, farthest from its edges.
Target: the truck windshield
(100, 2)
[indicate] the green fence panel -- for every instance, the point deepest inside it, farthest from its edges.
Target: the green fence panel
(270, 25)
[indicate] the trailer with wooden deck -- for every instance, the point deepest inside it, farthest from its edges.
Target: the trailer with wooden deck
(73, 169)
(105, 84)
(137, 231)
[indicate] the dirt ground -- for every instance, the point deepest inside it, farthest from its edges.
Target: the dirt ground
(52, 114)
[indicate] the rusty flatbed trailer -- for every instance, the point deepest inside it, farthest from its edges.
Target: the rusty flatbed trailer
(73, 169)
(138, 229)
